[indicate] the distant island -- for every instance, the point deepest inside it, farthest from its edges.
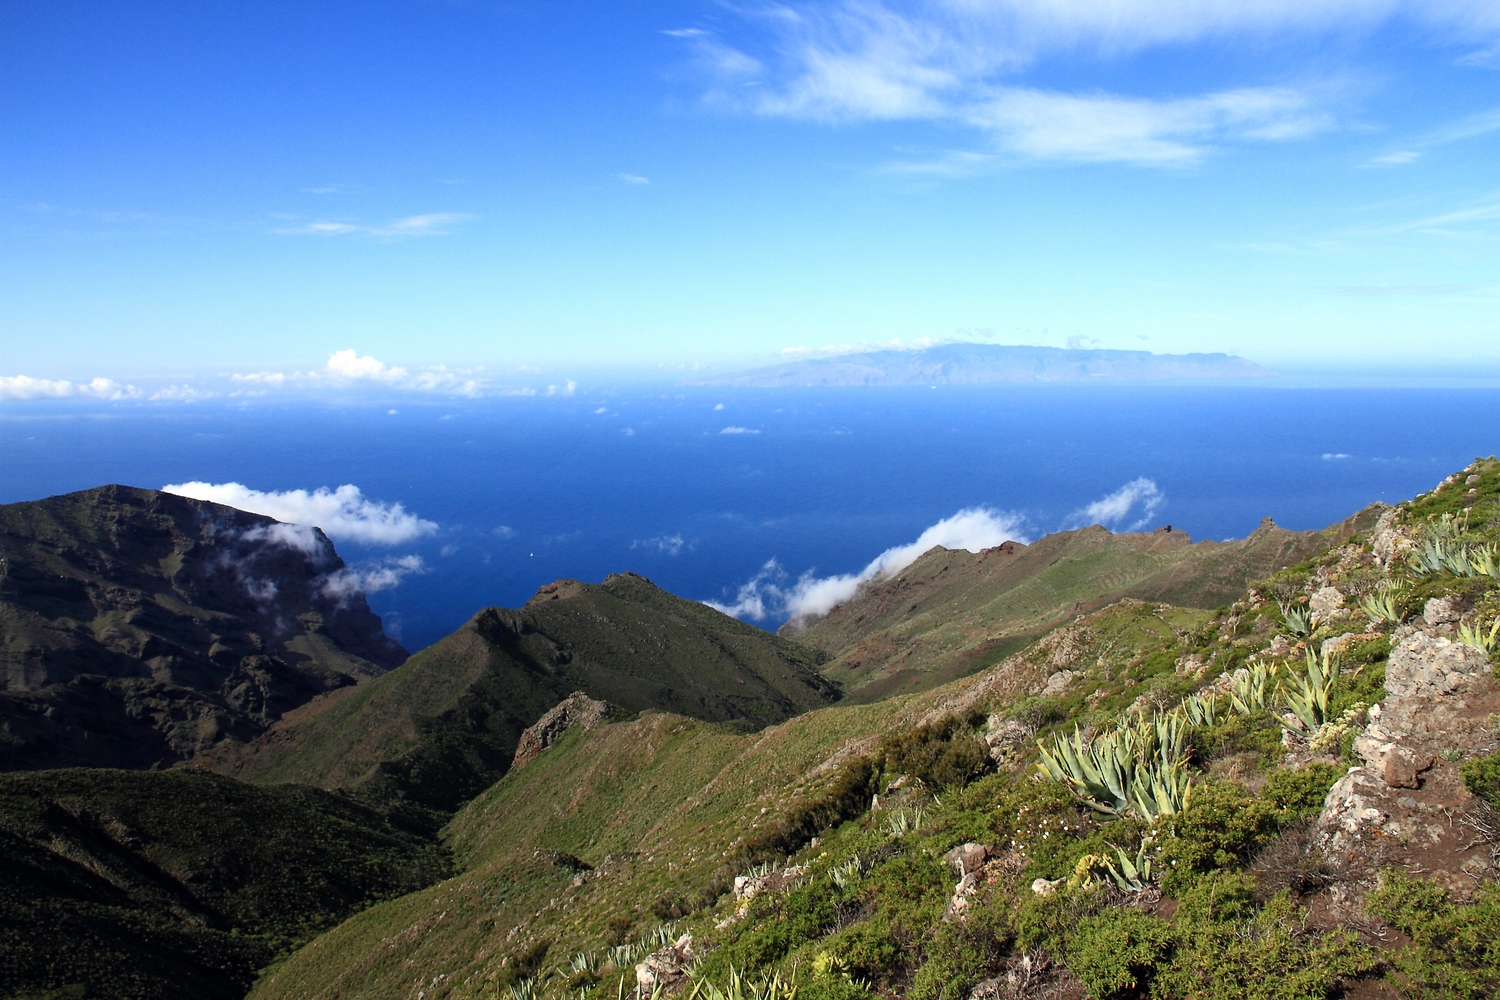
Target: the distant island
(978, 364)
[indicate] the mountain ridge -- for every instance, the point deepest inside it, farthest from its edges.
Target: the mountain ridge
(983, 364)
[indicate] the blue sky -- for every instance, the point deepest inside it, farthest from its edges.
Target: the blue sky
(458, 191)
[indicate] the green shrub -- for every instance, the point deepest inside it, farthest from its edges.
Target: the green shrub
(1116, 954)
(1221, 828)
(960, 954)
(1298, 794)
(1455, 949)
(1482, 777)
(1226, 949)
(941, 754)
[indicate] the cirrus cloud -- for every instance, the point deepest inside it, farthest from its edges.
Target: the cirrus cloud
(963, 62)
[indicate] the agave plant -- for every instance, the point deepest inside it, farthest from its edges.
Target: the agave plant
(1475, 635)
(848, 873)
(1297, 621)
(585, 961)
(1201, 711)
(623, 955)
(1099, 771)
(524, 990)
(1484, 560)
(1385, 606)
(1250, 688)
(1307, 693)
(741, 987)
(903, 821)
(1136, 767)
(1131, 875)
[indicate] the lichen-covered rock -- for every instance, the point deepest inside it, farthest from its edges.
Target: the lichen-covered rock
(1441, 611)
(1425, 666)
(1325, 602)
(665, 968)
(1350, 812)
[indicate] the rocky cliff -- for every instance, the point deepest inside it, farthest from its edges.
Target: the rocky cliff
(138, 628)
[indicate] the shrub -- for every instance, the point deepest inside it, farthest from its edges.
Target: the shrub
(1299, 794)
(1228, 950)
(1221, 828)
(1116, 954)
(941, 753)
(1482, 777)
(1455, 949)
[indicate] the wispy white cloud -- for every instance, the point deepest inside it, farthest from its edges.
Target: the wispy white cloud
(373, 576)
(960, 60)
(770, 593)
(429, 224)
(343, 513)
(740, 430)
(26, 387)
(669, 545)
(633, 179)
(863, 347)
(1132, 506)
(1103, 127)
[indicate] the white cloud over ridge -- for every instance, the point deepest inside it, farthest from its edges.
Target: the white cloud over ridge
(369, 578)
(1132, 507)
(768, 593)
(343, 514)
(961, 61)
(669, 545)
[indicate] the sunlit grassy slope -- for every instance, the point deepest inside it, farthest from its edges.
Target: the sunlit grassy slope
(663, 808)
(955, 612)
(444, 726)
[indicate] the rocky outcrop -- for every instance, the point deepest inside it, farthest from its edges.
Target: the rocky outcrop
(664, 969)
(577, 709)
(1398, 807)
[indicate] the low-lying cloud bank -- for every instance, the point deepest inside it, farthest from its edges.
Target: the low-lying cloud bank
(772, 594)
(343, 514)
(26, 387)
(768, 594)
(346, 371)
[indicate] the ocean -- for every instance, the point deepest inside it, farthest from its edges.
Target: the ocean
(699, 489)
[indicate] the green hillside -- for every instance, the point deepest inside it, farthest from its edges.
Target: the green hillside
(954, 612)
(1206, 880)
(440, 729)
(121, 884)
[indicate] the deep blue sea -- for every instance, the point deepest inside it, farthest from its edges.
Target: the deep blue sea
(524, 491)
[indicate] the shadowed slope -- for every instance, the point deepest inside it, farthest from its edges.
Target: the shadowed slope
(445, 725)
(138, 627)
(180, 885)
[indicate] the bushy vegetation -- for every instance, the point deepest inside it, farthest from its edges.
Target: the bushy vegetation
(181, 884)
(1455, 948)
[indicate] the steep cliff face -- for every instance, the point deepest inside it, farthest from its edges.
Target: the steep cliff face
(138, 628)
